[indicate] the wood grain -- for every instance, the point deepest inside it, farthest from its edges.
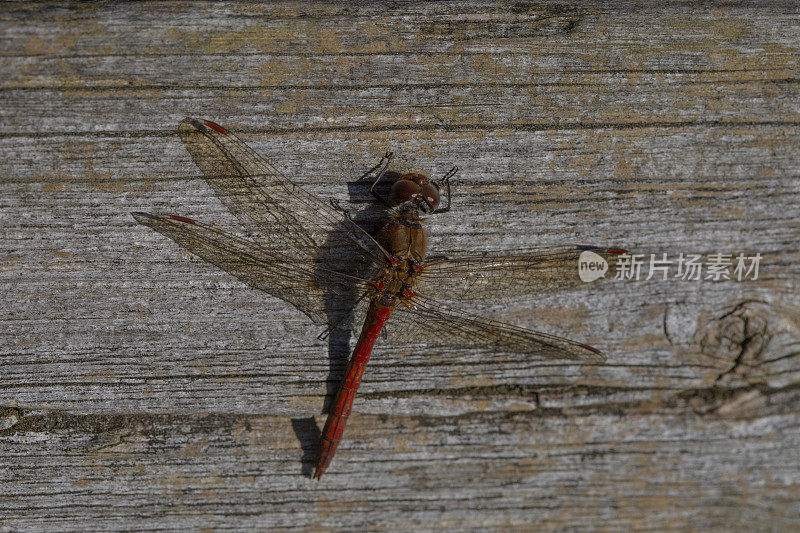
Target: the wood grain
(144, 389)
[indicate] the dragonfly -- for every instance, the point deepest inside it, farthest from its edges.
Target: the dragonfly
(314, 255)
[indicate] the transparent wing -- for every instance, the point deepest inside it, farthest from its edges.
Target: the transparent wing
(322, 294)
(279, 215)
(502, 275)
(419, 319)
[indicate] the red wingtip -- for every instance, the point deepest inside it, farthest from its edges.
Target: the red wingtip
(617, 251)
(595, 350)
(215, 127)
(181, 219)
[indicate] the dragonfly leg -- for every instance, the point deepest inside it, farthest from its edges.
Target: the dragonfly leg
(445, 181)
(384, 162)
(383, 165)
(336, 205)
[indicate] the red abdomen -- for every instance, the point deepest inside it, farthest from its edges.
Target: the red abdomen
(340, 410)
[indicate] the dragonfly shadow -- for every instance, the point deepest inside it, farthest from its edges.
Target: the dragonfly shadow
(341, 305)
(308, 252)
(307, 432)
(339, 253)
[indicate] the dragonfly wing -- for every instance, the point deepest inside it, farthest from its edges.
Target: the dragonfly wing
(278, 213)
(420, 320)
(502, 275)
(320, 293)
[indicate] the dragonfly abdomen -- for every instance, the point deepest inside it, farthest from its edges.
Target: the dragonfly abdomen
(377, 315)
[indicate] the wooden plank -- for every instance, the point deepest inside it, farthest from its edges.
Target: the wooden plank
(144, 389)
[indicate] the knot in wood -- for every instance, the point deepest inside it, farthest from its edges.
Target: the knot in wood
(738, 337)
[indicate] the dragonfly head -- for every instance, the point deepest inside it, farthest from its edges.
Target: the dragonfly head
(417, 188)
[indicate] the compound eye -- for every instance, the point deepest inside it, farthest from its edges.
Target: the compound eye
(431, 196)
(416, 177)
(403, 191)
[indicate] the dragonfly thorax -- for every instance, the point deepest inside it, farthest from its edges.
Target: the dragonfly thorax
(393, 283)
(403, 238)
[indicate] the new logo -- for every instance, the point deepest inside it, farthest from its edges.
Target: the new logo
(591, 266)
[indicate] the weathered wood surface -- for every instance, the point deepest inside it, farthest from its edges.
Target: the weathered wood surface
(142, 389)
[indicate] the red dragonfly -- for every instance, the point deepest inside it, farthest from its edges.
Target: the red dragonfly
(312, 254)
